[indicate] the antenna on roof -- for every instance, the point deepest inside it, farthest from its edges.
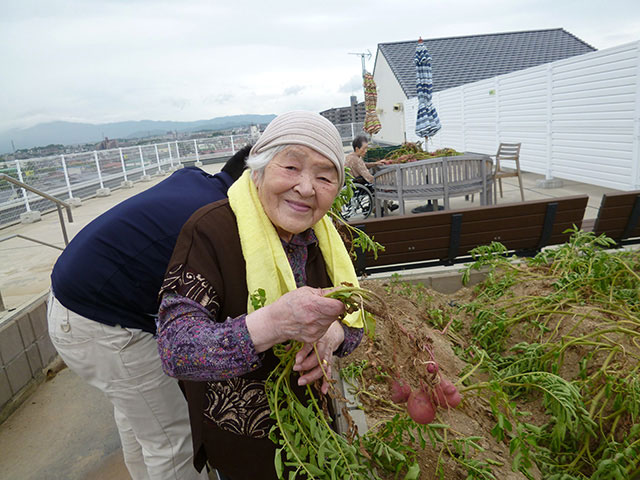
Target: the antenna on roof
(362, 56)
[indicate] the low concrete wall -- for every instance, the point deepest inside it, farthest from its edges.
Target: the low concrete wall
(26, 352)
(447, 280)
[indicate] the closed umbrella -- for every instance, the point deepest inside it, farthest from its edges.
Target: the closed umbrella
(371, 120)
(427, 121)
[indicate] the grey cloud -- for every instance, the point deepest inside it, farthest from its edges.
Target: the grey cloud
(179, 103)
(353, 85)
(293, 90)
(219, 98)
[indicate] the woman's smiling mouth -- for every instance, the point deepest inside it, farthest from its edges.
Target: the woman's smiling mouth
(298, 206)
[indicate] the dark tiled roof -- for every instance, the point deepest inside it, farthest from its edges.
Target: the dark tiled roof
(460, 60)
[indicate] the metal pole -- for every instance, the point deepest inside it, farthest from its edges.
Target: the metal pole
(233, 146)
(64, 229)
(549, 139)
(177, 152)
(66, 176)
(158, 158)
(95, 155)
(362, 56)
(195, 146)
(170, 156)
(124, 168)
(353, 133)
(144, 173)
(24, 192)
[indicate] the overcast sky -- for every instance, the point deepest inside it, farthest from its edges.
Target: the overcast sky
(110, 60)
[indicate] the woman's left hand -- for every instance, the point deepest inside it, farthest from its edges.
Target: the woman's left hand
(307, 360)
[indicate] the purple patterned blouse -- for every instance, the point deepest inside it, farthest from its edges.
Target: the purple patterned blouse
(193, 347)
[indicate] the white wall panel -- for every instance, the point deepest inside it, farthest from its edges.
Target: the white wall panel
(410, 114)
(577, 119)
(389, 94)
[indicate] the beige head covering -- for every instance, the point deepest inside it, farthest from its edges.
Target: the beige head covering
(304, 128)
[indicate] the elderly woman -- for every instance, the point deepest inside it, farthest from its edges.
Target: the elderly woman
(271, 234)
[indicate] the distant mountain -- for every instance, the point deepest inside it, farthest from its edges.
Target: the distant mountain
(70, 133)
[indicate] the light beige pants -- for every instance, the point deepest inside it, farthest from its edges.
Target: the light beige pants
(149, 408)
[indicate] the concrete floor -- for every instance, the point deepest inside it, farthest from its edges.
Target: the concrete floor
(65, 430)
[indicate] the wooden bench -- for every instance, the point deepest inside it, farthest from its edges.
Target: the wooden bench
(446, 237)
(618, 217)
(435, 178)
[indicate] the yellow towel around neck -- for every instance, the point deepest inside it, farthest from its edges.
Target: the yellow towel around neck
(264, 256)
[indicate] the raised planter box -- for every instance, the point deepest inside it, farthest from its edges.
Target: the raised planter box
(26, 353)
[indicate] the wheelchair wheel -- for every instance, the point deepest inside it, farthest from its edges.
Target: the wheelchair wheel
(361, 204)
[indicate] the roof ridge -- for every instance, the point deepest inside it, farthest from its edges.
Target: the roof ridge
(579, 39)
(469, 58)
(487, 35)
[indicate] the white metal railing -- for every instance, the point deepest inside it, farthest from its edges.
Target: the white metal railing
(78, 175)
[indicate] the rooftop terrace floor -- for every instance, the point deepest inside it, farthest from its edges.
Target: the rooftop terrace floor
(66, 428)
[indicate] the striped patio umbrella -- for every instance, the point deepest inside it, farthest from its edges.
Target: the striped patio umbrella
(371, 120)
(427, 121)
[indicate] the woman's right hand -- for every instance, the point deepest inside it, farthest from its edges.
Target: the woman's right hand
(303, 314)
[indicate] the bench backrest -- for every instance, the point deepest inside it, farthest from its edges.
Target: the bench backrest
(446, 237)
(438, 177)
(618, 216)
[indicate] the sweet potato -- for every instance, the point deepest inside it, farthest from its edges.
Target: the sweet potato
(400, 391)
(446, 395)
(420, 408)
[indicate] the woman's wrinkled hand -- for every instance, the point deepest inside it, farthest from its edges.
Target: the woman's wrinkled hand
(304, 314)
(314, 366)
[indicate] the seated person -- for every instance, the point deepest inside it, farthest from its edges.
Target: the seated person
(359, 169)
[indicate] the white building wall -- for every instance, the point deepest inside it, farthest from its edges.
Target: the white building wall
(410, 115)
(577, 119)
(390, 94)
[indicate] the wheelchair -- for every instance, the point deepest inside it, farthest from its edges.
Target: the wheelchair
(361, 204)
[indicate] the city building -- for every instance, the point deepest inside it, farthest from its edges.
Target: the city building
(354, 113)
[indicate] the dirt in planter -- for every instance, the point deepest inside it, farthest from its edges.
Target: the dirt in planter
(401, 349)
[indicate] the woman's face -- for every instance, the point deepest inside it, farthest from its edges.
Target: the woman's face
(297, 189)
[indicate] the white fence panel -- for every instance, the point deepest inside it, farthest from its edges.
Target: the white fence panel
(522, 116)
(450, 108)
(479, 116)
(593, 116)
(410, 114)
(577, 119)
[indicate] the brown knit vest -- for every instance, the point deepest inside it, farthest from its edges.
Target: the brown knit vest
(209, 244)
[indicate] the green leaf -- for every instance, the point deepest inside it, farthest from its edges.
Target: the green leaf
(314, 470)
(321, 451)
(278, 463)
(413, 472)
